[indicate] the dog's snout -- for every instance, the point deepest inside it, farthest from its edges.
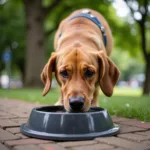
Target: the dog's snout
(76, 103)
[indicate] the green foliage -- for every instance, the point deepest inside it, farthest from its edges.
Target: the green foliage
(141, 8)
(127, 38)
(12, 31)
(128, 66)
(148, 38)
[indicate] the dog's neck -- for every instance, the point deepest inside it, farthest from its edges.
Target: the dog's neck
(94, 44)
(82, 33)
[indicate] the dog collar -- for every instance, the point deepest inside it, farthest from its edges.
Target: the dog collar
(95, 20)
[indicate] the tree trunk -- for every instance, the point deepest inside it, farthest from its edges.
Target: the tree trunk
(22, 70)
(146, 87)
(35, 55)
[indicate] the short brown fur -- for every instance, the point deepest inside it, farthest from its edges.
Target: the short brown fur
(79, 48)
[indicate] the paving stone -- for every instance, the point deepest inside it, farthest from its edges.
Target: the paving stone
(3, 147)
(146, 142)
(117, 119)
(14, 130)
(94, 147)
(76, 143)
(129, 129)
(144, 133)
(124, 143)
(8, 117)
(118, 149)
(21, 136)
(20, 121)
(51, 147)
(4, 115)
(8, 123)
(5, 135)
(134, 134)
(134, 137)
(26, 141)
(26, 147)
(21, 114)
(136, 123)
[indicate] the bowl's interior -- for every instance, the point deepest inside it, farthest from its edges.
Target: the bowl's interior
(61, 109)
(51, 109)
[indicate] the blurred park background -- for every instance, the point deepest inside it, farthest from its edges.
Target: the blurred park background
(27, 29)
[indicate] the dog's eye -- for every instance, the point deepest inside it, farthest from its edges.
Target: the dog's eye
(89, 73)
(64, 74)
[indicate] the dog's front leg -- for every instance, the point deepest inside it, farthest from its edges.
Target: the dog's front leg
(95, 98)
(60, 100)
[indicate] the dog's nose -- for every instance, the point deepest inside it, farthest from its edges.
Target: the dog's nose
(76, 103)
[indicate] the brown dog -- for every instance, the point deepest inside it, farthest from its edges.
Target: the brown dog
(81, 62)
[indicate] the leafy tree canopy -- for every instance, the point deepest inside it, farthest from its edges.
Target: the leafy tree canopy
(12, 28)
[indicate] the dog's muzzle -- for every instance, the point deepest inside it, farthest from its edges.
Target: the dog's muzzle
(76, 103)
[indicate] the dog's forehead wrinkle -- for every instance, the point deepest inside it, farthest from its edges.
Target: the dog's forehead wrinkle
(76, 68)
(77, 44)
(75, 58)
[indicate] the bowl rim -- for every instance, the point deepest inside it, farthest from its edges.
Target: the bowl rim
(69, 113)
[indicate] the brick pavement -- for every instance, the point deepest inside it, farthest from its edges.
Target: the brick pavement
(134, 134)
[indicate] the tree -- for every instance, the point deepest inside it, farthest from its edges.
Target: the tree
(35, 14)
(40, 20)
(133, 67)
(141, 14)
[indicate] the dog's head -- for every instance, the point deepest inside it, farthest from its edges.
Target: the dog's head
(79, 72)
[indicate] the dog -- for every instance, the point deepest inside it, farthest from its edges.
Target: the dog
(81, 63)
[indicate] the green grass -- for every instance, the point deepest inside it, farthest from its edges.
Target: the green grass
(125, 102)
(127, 91)
(30, 95)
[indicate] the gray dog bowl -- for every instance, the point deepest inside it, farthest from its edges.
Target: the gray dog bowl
(52, 122)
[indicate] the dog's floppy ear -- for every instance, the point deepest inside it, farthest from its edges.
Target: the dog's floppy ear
(108, 74)
(46, 75)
